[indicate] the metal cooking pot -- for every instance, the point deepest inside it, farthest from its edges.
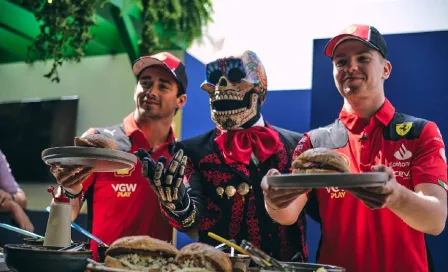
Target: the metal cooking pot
(33, 241)
(21, 258)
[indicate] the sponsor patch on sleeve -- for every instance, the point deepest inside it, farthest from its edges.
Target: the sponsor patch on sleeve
(443, 184)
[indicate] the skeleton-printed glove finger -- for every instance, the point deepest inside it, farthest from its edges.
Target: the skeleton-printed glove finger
(148, 163)
(173, 185)
(179, 179)
(171, 176)
(150, 169)
(167, 183)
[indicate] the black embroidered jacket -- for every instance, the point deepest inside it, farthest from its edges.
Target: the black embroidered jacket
(219, 201)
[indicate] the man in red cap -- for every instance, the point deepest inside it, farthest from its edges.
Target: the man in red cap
(380, 228)
(122, 203)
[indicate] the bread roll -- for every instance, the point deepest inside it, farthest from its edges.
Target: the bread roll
(96, 140)
(199, 257)
(320, 160)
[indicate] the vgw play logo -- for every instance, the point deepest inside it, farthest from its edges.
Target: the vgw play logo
(124, 189)
(335, 192)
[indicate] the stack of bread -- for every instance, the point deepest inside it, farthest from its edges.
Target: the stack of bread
(143, 253)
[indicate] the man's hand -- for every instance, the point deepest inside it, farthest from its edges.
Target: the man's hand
(166, 183)
(279, 198)
(71, 177)
(4, 197)
(18, 215)
(387, 195)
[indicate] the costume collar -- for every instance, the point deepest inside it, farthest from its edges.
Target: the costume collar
(353, 122)
(130, 127)
(260, 123)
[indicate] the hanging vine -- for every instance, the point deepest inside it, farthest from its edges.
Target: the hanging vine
(65, 26)
(64, 30)
(173, 23)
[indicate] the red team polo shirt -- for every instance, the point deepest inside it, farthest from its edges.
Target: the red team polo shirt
(123, 202)
(360, 239)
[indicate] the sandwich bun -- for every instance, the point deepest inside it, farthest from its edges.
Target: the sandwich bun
(96, 140)
(139, 253)
(199, 257)
(142, 242)
(320, 161)
(113, 262)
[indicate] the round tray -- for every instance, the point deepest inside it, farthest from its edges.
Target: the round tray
(101, 159)
(340, 180)
(306, 267)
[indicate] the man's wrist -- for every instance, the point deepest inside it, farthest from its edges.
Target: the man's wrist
(183, 210)
(401, 193)
(71, 195)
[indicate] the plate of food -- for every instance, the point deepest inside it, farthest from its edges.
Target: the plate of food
(322, 167)
(97, 151)
(143, 253)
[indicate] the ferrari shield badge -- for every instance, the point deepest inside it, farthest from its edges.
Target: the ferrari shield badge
(403, 128)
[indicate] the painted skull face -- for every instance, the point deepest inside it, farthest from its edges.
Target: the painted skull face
(237, 87)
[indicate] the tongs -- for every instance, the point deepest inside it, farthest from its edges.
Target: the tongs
(261, 258)
(75, 247)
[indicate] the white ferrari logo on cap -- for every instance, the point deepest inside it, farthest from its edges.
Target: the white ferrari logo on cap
(160, 56)
(351, 29)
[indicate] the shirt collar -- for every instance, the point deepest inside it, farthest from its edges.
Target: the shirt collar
(353, 122)
(130, 127)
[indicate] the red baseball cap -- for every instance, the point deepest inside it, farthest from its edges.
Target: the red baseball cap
(365, 33)
(165, 60)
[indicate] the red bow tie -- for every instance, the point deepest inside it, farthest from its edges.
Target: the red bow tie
(238, 145)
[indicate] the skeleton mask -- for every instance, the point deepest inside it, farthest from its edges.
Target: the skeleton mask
(237, 87)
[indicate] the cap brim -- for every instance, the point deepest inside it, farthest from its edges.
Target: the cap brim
(334, 42)
(143, 63)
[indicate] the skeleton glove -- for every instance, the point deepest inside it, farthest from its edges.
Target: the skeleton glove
(166, 183)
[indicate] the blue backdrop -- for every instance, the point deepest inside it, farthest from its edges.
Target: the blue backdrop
(196, 112)
(287, 109)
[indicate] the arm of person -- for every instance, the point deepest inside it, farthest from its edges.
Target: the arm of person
(187, 218)
(17, 214)
(285, 205)
(425, 208)
(78, 202)
(76, 207)
(430, 216)
(9, 185)
(20, 198)
(84, 185)
(74, 180)
(289, 214)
